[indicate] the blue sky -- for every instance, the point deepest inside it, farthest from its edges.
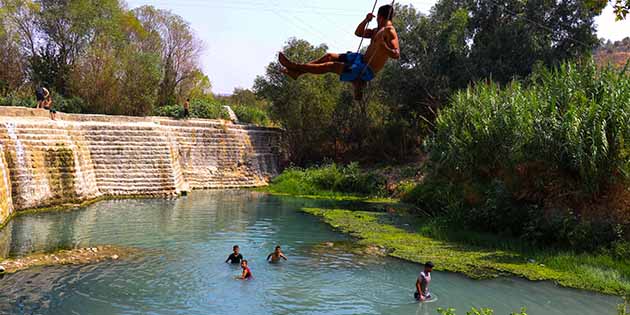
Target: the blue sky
(242, 36)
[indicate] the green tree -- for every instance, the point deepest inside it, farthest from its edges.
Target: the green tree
(66, 30)
(247, 97)
(304, 107)
(12, 63)
(622, 8)
(179, 50)
(115, 74)
(461, 42)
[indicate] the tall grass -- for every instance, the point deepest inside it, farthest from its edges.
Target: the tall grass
(329, 180)
(573, 119)
(536, 159)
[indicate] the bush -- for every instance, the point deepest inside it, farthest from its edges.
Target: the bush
(252, 115)
(572, 120)
(74, 105)
(329, 179)
(18, 101)
(198, 109)
(71, 105)
(529, 160)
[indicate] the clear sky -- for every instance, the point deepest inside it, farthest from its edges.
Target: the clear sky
(242, 36)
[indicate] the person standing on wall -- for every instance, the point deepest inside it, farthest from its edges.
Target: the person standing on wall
(187, 108)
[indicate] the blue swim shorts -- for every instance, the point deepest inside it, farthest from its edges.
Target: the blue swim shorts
(355, 68)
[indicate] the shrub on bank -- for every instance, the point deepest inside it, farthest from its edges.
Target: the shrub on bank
(536, 160)
(66, 105)
(252, 115)
(198, 109)
(215, 110)
(329, 180)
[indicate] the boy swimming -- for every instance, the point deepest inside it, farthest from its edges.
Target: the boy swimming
(422, 283)
(276, 255)
(235, 257)
(247, 273)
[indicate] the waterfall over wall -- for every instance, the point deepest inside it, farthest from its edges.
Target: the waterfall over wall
(79, 157)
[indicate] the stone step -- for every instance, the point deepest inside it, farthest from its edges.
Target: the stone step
(132, 155)
(137, 190)
(94, 128)
(128, 162)
(126, 146)
(146, 170)
(124, 179)
(125, 139)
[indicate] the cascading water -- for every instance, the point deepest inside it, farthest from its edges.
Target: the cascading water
(80, 177)
(6, 202)
(30, 191)
(5, 171)
(20, 152)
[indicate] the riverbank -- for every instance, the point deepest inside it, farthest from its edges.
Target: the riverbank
(80, 256)
(408, 237)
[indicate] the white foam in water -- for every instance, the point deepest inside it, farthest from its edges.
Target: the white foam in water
(5, 171)
(19, 150)
(22, 168)
(81, 182)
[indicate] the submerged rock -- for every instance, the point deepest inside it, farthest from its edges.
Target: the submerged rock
(79, 256)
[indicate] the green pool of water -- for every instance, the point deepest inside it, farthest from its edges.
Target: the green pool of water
(181, 269)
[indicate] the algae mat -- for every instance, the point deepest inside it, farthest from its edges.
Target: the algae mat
(399, 235)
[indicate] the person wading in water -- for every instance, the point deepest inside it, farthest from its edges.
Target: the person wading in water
(422, 293)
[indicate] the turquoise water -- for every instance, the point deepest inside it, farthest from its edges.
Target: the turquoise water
(181, 269)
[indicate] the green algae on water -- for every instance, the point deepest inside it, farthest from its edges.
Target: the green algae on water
(404, 240)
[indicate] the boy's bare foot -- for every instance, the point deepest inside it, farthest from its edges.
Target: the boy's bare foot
(293, 74)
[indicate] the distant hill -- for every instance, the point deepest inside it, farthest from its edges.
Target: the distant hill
(616, 53)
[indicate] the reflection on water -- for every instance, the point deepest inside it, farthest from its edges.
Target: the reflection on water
(182, 271)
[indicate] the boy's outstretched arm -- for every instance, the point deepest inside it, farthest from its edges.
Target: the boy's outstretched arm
(283, 257)
(361, 31)
(392, 46)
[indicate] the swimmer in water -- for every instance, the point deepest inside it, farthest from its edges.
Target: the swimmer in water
(276, 255)
(422, 293)
(247, 273)
(235, 257)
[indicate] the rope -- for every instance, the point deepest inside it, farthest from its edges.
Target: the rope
(366, 27)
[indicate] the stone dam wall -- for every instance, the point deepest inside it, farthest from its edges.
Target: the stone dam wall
(80, 157)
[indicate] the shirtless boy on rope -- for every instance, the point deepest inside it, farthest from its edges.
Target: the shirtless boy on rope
(356, 67)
